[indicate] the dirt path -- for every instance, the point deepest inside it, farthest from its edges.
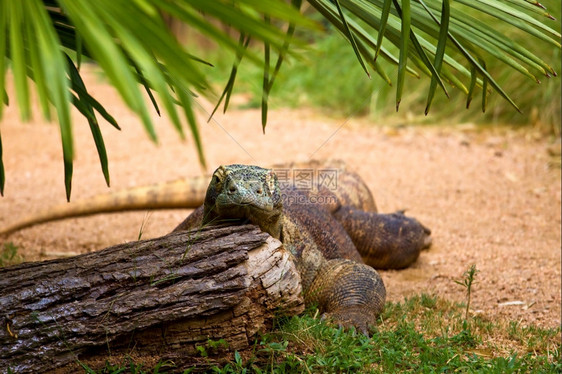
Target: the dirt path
(490, 196)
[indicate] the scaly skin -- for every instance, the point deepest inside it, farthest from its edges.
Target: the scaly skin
(334, 235)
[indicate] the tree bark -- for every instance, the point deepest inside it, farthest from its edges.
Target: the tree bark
(154, 300)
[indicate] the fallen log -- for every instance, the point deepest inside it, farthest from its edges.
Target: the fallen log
(153, 299)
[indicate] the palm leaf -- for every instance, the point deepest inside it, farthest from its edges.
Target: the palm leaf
(17, 55)
(384, 19)
(285, 49)
(2, 172)
(515, 17)
(3, 19)
(85, 107)
(265, 80)
(450, 42)
(349, 35)
(227, 92)
(404, 47)
(51, 65)
(3, 52)
(440, 51)
(471, 87)
(486, 77)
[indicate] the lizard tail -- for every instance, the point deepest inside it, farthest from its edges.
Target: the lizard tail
(179, 194)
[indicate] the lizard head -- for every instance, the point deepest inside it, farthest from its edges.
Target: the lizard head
(245, 193)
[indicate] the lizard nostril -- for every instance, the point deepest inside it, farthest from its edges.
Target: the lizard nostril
(259, 191)
(232, 189)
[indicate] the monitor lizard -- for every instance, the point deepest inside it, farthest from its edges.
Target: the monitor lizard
(335, 235)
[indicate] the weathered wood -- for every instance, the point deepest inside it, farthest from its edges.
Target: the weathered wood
(162, 296)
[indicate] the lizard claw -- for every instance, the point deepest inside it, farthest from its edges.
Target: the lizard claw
(347, 319)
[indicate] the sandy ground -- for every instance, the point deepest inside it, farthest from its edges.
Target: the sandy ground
(489, 196)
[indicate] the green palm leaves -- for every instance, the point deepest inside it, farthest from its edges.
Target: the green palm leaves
(447, 41)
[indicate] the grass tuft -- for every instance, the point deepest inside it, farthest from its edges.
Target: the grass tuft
(467, 282)
(9, 255)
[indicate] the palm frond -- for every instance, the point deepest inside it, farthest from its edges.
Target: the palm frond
(131, 43)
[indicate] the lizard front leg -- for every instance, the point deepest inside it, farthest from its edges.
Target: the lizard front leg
(347, 292)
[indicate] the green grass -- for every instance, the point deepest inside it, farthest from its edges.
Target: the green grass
(9, 255)
(422, 334)
(130, 367)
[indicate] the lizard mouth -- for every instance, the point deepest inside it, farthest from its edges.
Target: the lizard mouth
(245, 212)
(252, 205)
(224, 206)
(242, 210)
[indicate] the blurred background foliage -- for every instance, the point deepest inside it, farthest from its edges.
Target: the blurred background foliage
(326, 76)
